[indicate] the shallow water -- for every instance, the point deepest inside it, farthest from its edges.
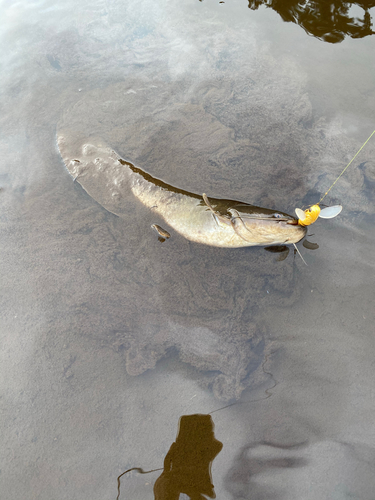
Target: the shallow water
(108, 335)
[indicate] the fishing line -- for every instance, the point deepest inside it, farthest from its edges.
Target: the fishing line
(267, 391)
(363, 145)
(138, 469)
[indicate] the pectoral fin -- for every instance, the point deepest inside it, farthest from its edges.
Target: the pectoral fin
(163, 234)
(217, 216)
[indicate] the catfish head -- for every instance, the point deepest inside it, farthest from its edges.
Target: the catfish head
(256, 225)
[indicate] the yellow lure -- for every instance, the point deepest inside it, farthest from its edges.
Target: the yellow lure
(311, 214)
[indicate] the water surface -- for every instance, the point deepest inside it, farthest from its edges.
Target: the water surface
(110, 336)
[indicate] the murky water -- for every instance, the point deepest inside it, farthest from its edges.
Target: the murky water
(110, 336)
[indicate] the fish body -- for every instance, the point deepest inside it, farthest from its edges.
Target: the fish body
(211, 221)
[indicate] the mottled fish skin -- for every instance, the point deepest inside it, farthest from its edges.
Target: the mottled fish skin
(109, 179)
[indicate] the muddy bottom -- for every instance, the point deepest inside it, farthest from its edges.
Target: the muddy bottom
(109, 335)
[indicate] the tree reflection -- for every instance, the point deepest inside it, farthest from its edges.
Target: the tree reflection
(187, 465)
(329, 21)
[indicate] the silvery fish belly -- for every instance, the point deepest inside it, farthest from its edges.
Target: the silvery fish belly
(109, 179)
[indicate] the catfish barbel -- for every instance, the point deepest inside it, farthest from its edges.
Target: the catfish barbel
(108, 179)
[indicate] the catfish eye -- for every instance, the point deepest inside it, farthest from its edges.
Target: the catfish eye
(277, 216)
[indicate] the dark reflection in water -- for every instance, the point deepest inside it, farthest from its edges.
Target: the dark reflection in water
(283, 250)
(187, 465)
(260, 458)
(328, 21)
